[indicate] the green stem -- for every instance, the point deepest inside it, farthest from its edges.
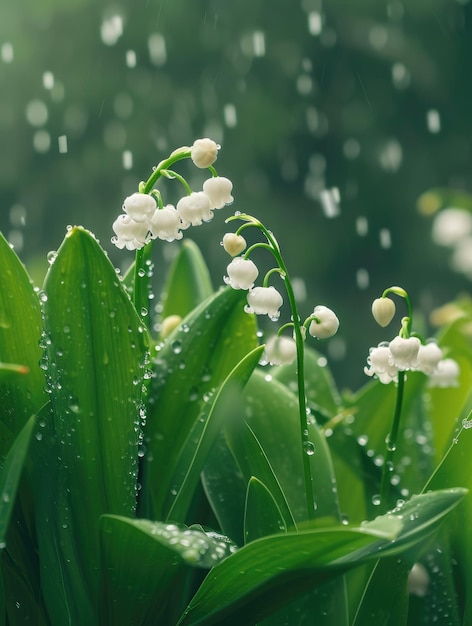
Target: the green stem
(300, 341)
(391, 442)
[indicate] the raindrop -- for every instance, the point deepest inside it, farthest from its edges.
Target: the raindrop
(315, 23)
(330, 199)
(362, 278)
(391, 445)
(51, 257)
(467, 423)
(6, 52)
(144, 311)
(36, 113)
(309, 448)
(362, 226)
(157, 49)
(229, 115)
(41, 141)
(62, 144)
(127, 159)
(176, 347)
(131, 58)
(385, 238)
(141, 272)
(48, 80)
(376, 500)
(433, 121)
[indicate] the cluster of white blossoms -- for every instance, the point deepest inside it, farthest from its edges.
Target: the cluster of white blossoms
(267, 300)
(144, 219)
(404, 354)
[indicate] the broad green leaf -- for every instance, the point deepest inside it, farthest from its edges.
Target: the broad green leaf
(202, 436)
(10, 475)
(20, 332)
(188, 283)
(253, 462)
(269, 572)
(262, 516)
(95, 352)
(192, 362)
(271, 412)
(142, 564)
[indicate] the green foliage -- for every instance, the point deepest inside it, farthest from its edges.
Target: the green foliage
(162, 479)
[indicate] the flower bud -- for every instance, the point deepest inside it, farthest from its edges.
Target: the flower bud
(204, 152)
(326, 323)
(383, 310)
(169, 324)
(234, 244)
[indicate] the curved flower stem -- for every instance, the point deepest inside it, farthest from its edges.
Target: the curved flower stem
(300, 342)
(391, 442)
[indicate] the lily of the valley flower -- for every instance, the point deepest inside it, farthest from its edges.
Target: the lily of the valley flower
(446, 374)
(129, 234)
(404, 352)
(379, 362)
(233, 244)
(194, 209)
(166, 224)
(280, 350)
(429, 356)
(264, 301)
(204, 152)
(218, 189)
(241, 273)
(325, 323)
(383, 310)
(139, 206)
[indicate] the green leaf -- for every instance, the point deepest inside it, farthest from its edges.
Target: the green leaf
(269, 572)
(20, 332)
(188, 283)
(141, 563)
(95, 353)
(192, 362)
(262, 515)
(202, 436)
(10, 475)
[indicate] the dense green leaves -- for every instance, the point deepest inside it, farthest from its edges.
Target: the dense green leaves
(257, 579)
(95, 358)
(191, 363)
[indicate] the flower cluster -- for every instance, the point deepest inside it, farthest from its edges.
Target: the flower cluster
(405, 352)
(242, 273)
(146, 218)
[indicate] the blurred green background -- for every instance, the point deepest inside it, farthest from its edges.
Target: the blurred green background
(368, 99)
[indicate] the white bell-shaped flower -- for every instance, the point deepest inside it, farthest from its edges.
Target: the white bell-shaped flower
(446, 374)
(130, 234)
(280, 350)
(233, 244)
(418, 581)
(218, 189)
(264, 301)
(383, 310)
(165, 224)
(241, 273)
(429, 356)
(139, 206)
(380, 366)
(204, 152)
(326, 324)
(194, 209)
(404, 352)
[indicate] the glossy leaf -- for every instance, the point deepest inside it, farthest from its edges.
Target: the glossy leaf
(10, 475)
(141, 563)
(202, 436)
(95, 353)
(262, 516)
(271, 571)
(192, 362)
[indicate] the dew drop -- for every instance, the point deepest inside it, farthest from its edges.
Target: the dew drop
(309, 448)
(376, 500)
(176, 347)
